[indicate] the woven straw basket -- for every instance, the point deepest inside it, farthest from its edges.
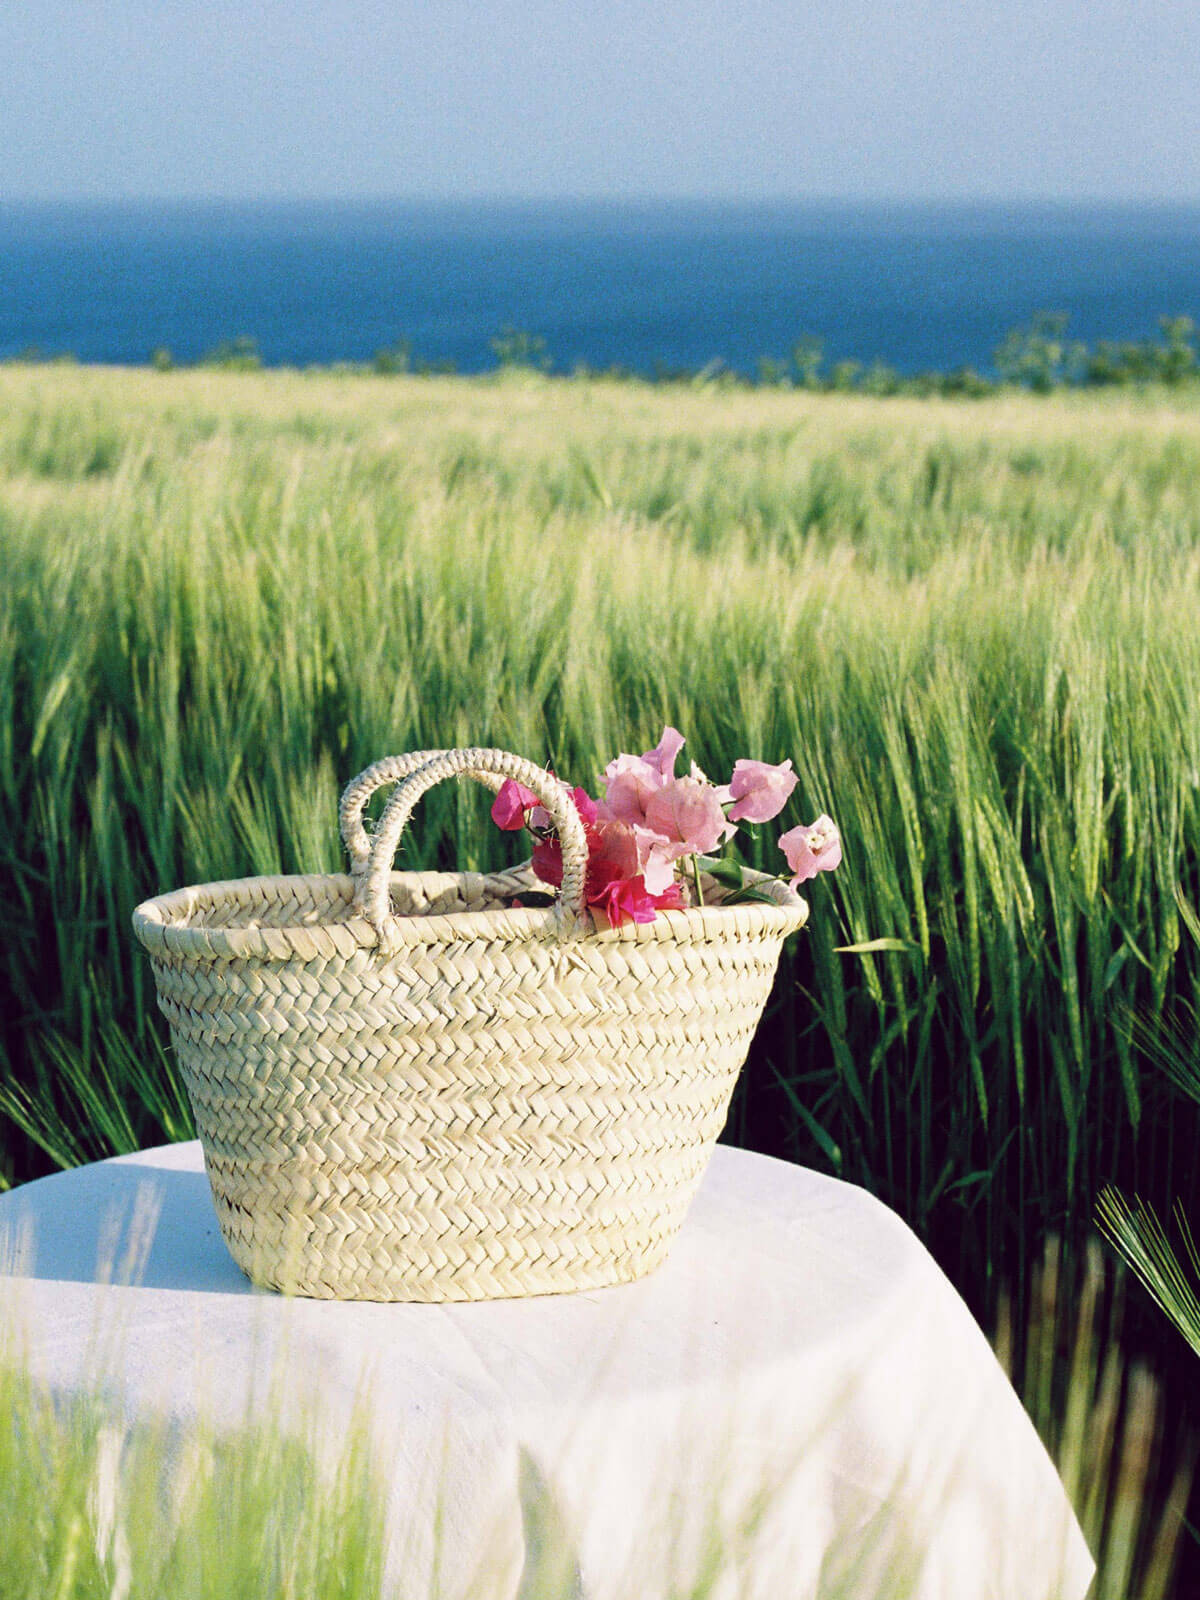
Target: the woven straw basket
(409, 1089)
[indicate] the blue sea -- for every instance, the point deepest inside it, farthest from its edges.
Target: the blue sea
(646, 287)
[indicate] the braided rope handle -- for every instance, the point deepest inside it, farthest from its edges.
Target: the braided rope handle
(392, 769)
(490, 767)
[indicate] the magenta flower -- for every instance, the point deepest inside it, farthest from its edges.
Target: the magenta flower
(650, 820)
(625, 899)
(511, 803)
(760, 790)
(628, 900)
(686, 813)
(540, 820)
(817, 848)
(614, 884)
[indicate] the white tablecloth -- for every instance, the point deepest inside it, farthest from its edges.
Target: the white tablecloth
(799, 1379)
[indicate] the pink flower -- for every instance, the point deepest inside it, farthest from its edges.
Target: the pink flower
(760, 790)
(687, 815)
(612, 854)
(628, 900)
(630, 783)
(614, 884)
(662, 757)
(817, 848)
(511, 804)
(541, 821)
(656, 860)
(547, 862)
(722, 790)
(625, 899)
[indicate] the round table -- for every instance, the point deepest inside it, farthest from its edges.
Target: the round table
(799, 1380)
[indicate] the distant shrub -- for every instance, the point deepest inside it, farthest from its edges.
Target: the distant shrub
(773, 374)
(966, 381)
(397, 358)
(1035, 357)
(514, 347)
(807, 355)
(1174, 361)
(880, 379)
(1178, 358)
(234, 355)
(34, 355)
(666, 372)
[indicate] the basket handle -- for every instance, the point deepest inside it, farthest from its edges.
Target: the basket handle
(392, 769)
(491, 767)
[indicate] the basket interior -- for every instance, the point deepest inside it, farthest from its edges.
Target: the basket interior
(299, 902)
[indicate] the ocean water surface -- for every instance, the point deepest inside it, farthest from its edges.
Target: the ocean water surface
(645, 287)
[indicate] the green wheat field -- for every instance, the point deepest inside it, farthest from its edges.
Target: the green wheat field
(974, 626)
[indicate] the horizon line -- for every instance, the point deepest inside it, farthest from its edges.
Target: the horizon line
(568, 198)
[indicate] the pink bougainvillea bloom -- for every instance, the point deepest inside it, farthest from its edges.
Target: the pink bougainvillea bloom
(541, 821)
(625, 900)
(687, 814)
(662, 757)
(585, 805)
(629, 900)
(653, 768)
(511, 803)
(629, 784)
(722, 790)
(760, 790)
(614, 884)
(656, 860)
(817, 848)
(670, 900)
(546, 861)
(612, 854)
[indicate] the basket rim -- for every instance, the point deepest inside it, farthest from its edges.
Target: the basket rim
(158, 923)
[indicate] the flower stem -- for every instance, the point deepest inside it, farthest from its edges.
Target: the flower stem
(696, 880)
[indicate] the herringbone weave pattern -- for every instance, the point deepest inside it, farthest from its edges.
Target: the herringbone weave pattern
(449, 1097)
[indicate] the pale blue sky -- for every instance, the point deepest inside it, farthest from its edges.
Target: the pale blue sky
(1068, 99)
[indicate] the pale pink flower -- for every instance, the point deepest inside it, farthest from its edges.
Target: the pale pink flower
(622, 851)
(656, 860)
(722, 790)
(817, 848)
(629, 781)
(760, 790)
(662, 757)
(687, 814)
(629, 784)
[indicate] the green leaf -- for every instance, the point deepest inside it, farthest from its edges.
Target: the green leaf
(751, 891)
(830, 1148)
(726, 872)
